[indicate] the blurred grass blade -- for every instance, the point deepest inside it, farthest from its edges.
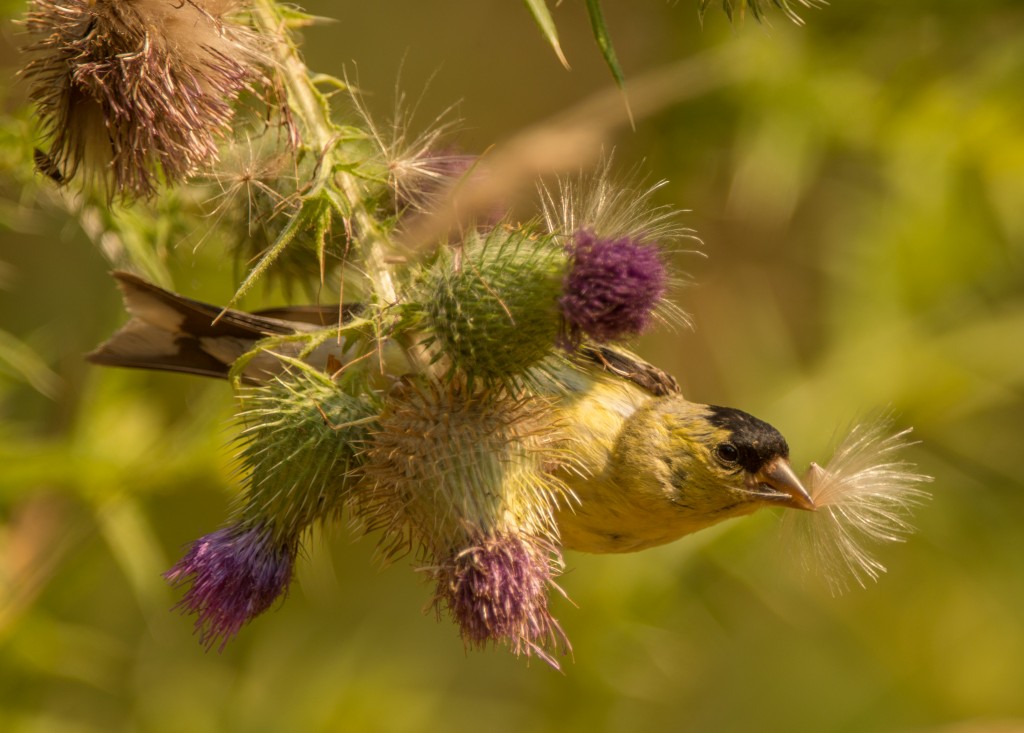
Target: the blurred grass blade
(542, 16)
(20, 361)
(132, 541)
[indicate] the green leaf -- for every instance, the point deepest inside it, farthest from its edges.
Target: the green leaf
(542, 16)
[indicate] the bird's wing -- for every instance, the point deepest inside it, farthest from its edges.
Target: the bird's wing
(631, 367)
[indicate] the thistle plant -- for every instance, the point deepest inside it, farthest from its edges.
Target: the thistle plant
(475, 404)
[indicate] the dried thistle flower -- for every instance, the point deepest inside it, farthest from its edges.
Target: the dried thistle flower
(496, 590)
(611, 288)
(864, 495)
(134, 92)
(234, 575)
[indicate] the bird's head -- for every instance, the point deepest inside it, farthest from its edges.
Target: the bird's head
(679, 466)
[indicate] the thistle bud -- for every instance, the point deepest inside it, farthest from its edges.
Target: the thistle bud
(466, 477)
(299, 450)
(494, 307)
(132, 92)
(611, 288)
(301, 444)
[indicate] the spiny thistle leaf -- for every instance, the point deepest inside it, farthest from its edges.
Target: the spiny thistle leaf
(603, 39)
(542, 16)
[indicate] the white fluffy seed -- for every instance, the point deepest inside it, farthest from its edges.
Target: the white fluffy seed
(864, 497)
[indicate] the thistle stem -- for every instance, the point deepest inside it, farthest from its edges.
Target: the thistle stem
(321, 134)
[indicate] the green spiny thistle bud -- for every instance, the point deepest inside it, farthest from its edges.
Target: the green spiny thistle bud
(492, 304)
(446, 464)
(299, 448)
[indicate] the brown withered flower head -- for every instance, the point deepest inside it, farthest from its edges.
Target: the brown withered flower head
(134, 92)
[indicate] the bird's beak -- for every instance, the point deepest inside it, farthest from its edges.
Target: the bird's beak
(784, 486)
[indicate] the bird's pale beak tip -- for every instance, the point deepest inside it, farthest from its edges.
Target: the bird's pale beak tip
(789, 490)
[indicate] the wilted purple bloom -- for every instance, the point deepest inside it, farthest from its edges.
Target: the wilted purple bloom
(498, 591)
(611, 288)
(235, 573)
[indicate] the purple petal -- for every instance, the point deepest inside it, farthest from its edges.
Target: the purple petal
(498, 591)
(234, 574)
(611, 288)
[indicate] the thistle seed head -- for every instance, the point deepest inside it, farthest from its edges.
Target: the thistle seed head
(134, 92)
(447, 464)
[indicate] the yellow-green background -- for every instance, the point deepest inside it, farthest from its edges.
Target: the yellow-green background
(860, 193)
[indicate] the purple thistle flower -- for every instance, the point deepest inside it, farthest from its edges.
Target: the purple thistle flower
(611, 288)
(236, 573)
(497, 591)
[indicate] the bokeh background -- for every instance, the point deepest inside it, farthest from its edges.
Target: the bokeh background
(859, 189)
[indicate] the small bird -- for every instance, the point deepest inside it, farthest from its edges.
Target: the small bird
(650, 466)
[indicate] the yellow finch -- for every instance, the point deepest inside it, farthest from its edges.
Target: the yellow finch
(650, 466)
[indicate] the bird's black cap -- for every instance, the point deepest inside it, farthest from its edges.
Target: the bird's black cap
(756, 441)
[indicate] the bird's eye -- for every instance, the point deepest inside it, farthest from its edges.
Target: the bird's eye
(727, 453)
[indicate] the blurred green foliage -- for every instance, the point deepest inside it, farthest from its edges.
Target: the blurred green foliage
(860, 193)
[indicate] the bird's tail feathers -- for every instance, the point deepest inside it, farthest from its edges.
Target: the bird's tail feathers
(170, 332)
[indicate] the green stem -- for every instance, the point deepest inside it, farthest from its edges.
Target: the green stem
(321, 134)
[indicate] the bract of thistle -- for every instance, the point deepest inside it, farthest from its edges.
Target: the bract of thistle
(234, 575)
(496, 590)
(863, 496)
(492, 303)
(131, 93)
